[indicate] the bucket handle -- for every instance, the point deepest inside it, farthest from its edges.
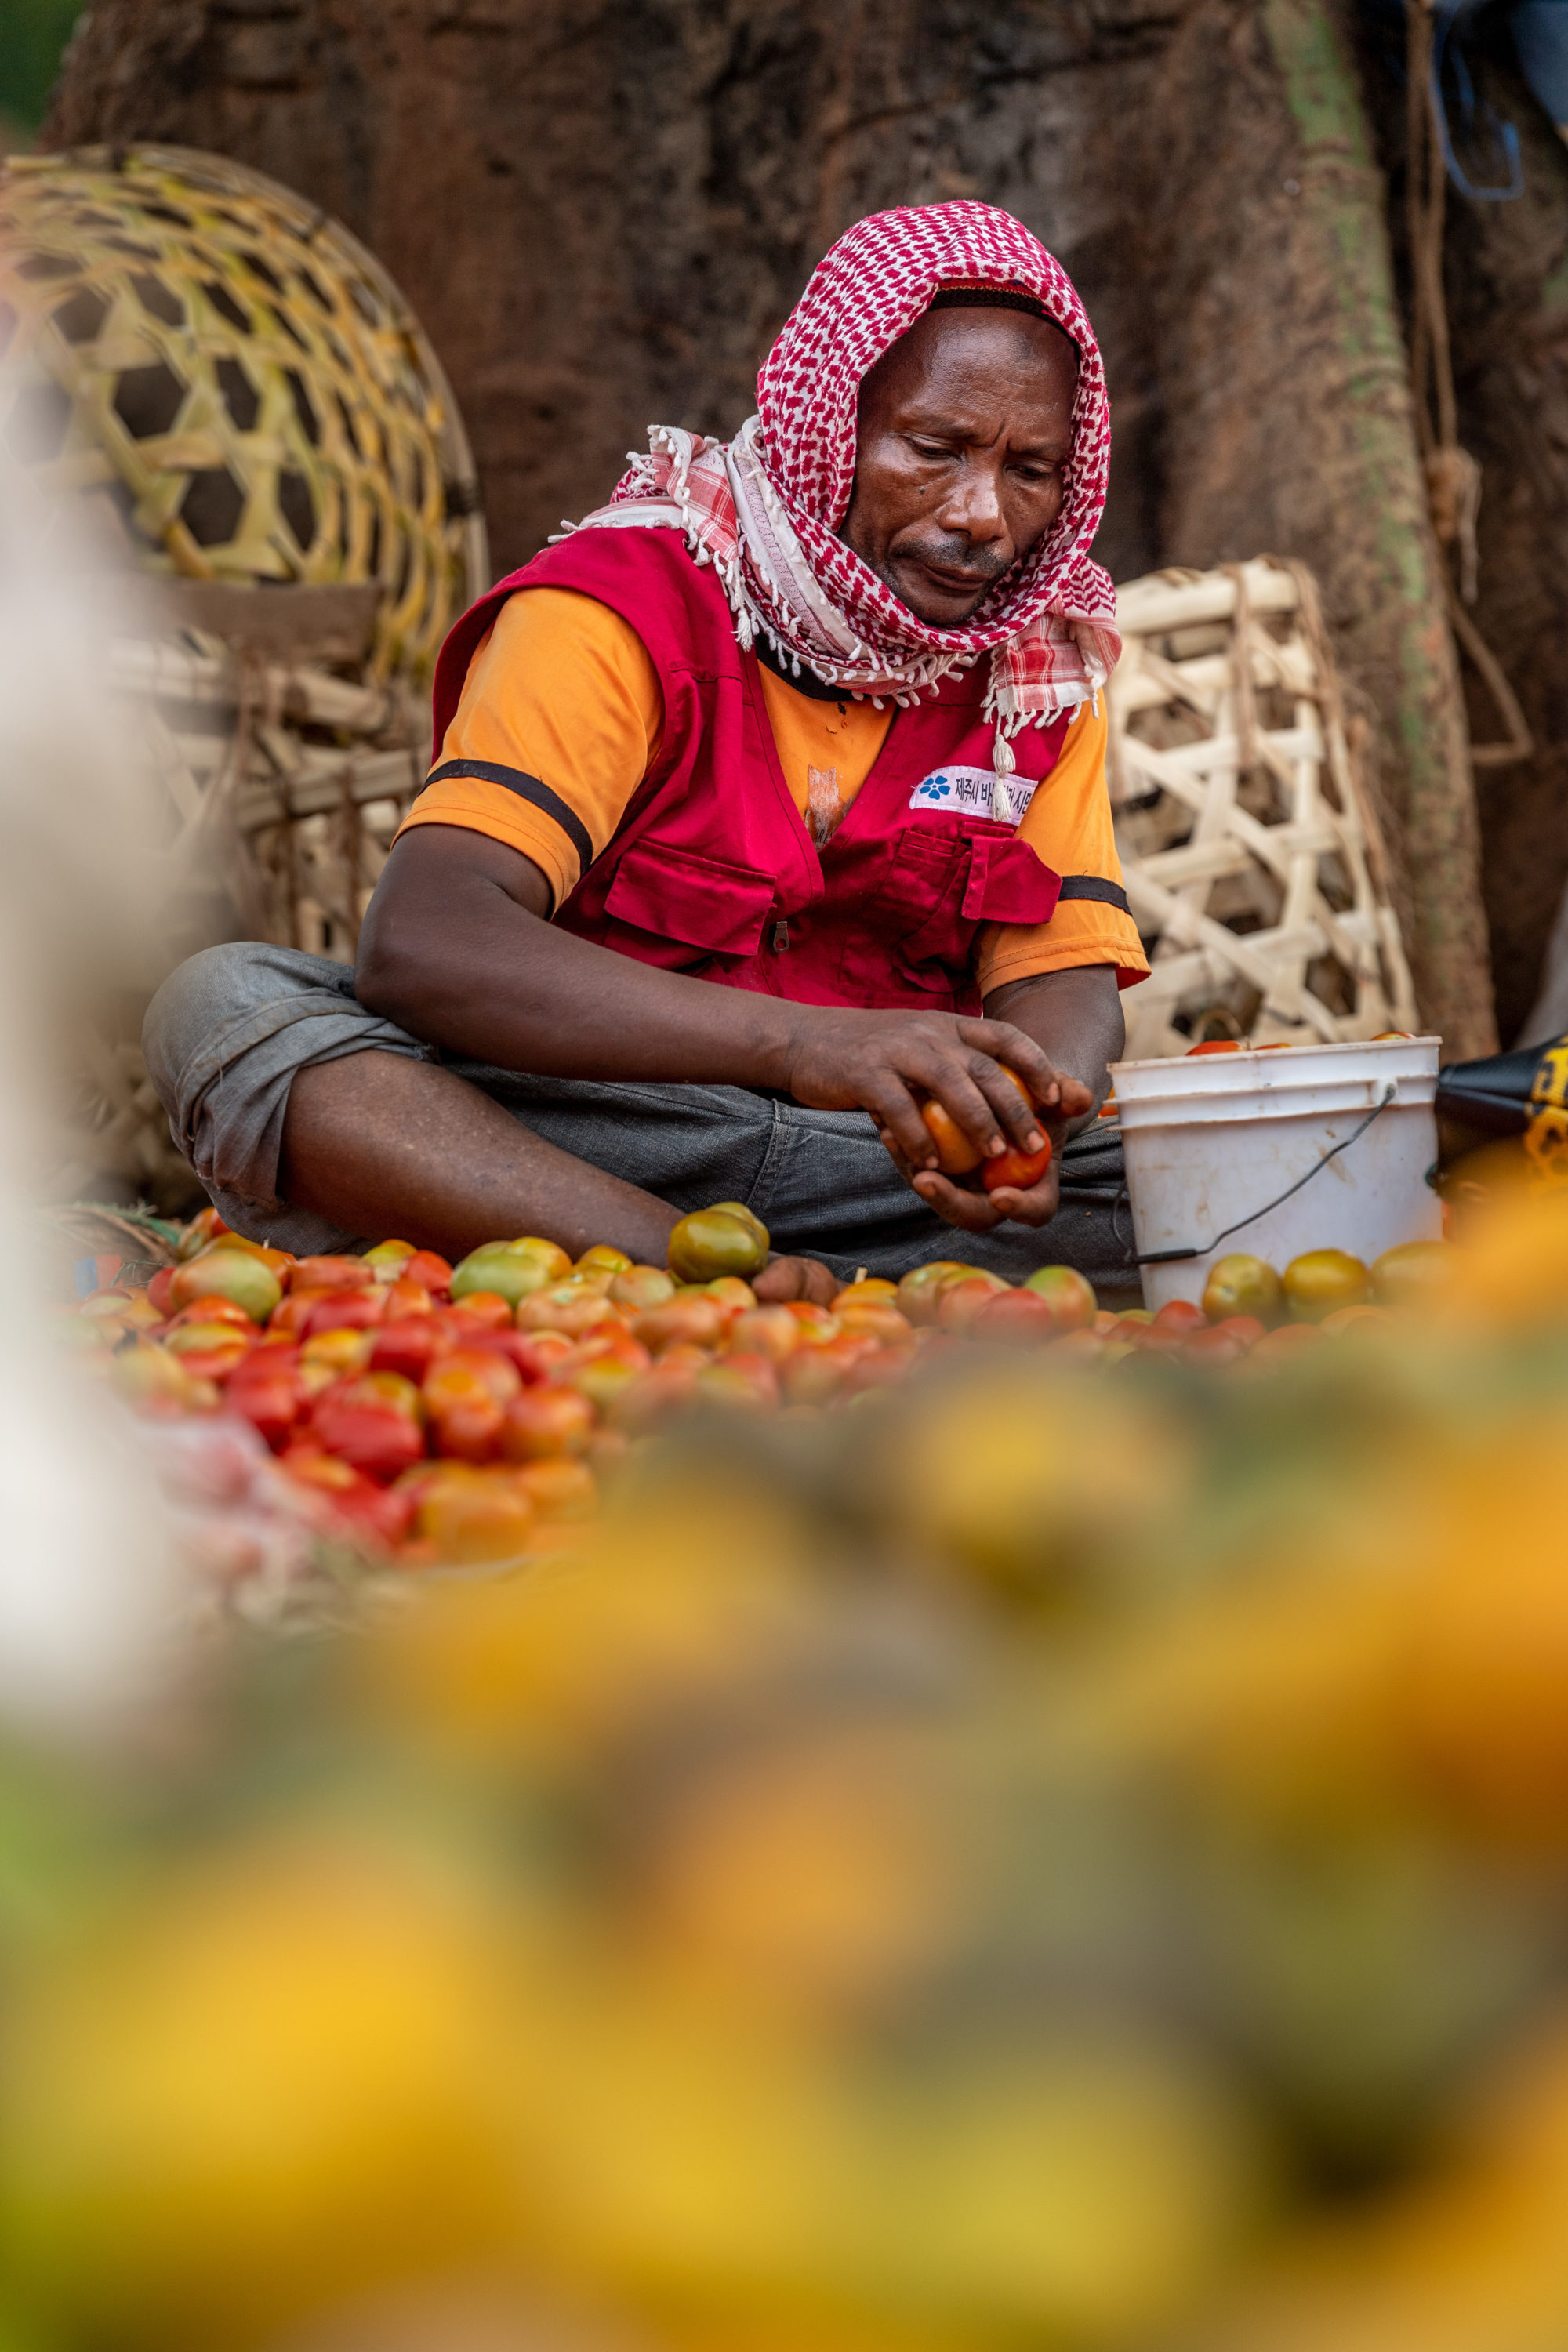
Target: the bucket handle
(1178, 1256)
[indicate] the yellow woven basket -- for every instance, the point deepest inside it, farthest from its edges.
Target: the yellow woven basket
(237, 381)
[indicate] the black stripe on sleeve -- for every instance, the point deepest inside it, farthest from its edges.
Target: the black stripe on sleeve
(1095, 885)
(527, 788)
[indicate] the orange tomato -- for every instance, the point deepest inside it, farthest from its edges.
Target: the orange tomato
(956, 1155)
(814, 1375)
(546, 1425)
(884, 1325)
(466, 1394)
(483, 1520)
(486, 1307)
(771, 1331)
(558, 1490)
(638, 1288)
(566, 1307)
(1215, 1045)
(817, 1324)
(691, 1318)
(870, 1291)
(747, 1381)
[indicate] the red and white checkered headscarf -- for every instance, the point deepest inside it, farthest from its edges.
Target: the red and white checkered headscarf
(765, 508)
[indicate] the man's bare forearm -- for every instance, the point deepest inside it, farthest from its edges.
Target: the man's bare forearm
(473, 967)
(1074, 1018)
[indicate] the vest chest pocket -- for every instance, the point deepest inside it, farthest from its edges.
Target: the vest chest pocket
(947, 885)
(673, 907)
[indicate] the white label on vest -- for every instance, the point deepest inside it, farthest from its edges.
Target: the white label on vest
(976, 792)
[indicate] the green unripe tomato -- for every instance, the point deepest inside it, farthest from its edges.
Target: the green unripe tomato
(714, 1241)
(747, 1216)
(230, 1273)
(513, 1271)
(1243, 1285)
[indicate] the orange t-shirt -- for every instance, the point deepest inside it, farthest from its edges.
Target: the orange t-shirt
(562, 689)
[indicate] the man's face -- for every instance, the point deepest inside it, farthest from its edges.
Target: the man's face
(964, 427)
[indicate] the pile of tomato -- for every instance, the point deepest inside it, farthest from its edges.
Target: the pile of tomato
(463, 1414)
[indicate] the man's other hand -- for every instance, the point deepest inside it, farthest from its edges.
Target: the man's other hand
(783, 1279)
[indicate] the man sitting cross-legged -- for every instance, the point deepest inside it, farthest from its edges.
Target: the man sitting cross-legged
(768, 802)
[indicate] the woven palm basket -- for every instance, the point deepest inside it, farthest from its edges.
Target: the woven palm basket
(1252, 856)
(250, 415)
(235, 381)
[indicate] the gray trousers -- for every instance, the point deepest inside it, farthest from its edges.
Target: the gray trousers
(227, 1031)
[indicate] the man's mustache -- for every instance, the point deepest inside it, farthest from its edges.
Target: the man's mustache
(948, 554)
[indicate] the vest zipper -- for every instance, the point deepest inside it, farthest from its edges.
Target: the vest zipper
(780, 938)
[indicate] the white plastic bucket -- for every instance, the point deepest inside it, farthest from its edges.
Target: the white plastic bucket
(1211, 1139)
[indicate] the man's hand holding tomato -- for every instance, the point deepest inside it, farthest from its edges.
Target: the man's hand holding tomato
(1031, 1074)
(977, 1202)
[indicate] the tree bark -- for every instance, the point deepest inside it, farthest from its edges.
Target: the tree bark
(602, 211)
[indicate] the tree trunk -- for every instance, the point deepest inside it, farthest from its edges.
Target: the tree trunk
(603, 213)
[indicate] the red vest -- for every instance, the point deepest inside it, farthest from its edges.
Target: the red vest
(712, 870)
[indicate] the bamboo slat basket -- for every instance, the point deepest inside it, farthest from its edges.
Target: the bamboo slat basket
(249, 416)
(1252, 855)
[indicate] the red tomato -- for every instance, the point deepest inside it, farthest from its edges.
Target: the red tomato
(961, 1302)
(331, 1273)
(1245, 1330)
(1015, 1315)
(878, 1368)
(379, 1515)
(652, 1396)
(211, 1351)
(1215, 1045)
(268, 1390)
(814, 1375)
(408, 1346)
(158, 1289)
(429, 1270)
(468, 1393)
(293, 1313)
(346, 1310)
(212, 1310)
(365, 1425)
(404, 1298)
(1070, 1297)
(1214, 1345)
(1180, 1314)
(1021, 1169)
(521, 1349)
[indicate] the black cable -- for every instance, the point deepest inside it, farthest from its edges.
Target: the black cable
(1178, 1256)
